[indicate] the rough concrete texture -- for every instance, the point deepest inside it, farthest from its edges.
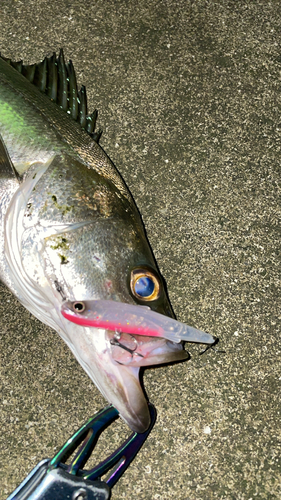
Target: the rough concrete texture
(189, 100)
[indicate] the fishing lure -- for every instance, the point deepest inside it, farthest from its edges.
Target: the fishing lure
(134, 333)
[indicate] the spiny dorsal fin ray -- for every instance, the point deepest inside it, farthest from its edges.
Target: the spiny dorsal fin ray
(82, 100)
(73, 96)
(52, 88)
(56, 78)
(40, 76)
(29, 72)
(62, 96)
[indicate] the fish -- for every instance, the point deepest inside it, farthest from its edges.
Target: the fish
(70, 232)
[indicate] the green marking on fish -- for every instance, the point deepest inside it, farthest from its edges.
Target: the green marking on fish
(61, 243)
(63, 208)
(63, 259)
(15, 118)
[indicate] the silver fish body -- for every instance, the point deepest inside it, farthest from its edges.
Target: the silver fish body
(69, 230)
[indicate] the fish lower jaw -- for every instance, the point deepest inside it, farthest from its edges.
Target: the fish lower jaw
(157, 357)
(118, 384)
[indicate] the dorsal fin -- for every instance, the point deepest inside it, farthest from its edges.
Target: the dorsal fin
(56, 78)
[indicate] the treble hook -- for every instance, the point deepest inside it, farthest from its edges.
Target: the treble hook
(212, 347)
(114, 341)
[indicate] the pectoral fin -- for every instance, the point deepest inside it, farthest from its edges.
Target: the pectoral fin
(7, 169)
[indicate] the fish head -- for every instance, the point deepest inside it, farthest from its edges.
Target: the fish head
(83, 238)
(111, 260)
(92, 235)
(114, 262)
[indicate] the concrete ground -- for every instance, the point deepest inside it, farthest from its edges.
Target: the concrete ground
(189, 100)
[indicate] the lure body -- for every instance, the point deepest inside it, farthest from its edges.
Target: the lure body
(132, 319)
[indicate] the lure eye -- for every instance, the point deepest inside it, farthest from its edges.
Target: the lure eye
(145, 285)
(79, 307)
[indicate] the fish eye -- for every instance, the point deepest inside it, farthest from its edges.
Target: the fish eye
(79, 307)
(145, 285)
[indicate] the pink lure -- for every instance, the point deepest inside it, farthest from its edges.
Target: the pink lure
(132, 319)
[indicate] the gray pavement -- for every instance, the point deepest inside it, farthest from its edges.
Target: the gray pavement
(189, 100)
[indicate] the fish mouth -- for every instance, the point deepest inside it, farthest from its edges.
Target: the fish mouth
(115, 371)
(129, 340)
(113, 357)
(118, 383)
